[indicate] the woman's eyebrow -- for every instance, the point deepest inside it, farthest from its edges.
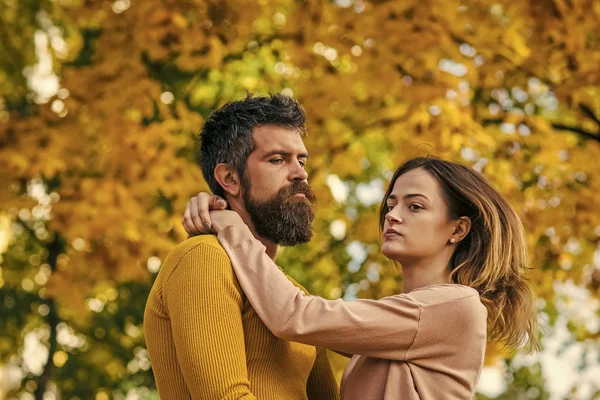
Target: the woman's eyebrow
(407, 196)
(411, 195)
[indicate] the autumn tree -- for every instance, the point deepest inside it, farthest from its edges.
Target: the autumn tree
(101, 102)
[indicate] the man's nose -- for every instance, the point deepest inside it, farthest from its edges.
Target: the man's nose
(298, 172)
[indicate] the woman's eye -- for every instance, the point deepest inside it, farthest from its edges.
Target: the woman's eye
(415, 207)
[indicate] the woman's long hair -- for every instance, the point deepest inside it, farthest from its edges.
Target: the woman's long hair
(492, 258)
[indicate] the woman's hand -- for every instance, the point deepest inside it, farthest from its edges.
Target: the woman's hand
(197, 218)
(223, 219)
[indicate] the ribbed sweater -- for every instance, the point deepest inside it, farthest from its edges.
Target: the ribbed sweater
(205, 341)
(427, 344)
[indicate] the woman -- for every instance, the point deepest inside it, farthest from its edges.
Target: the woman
(463, 255)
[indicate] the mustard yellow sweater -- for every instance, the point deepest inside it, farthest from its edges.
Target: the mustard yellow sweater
(427, 344)
(205, 340)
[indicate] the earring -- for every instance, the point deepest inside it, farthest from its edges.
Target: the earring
(452, 240)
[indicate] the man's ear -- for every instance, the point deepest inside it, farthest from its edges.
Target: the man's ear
(228, 179)
(463, 226)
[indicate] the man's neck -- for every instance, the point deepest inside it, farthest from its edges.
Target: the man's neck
(270, 246)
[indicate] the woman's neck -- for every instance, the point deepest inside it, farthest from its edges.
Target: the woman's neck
(425, 273)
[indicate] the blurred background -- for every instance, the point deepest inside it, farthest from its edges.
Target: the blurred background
(101, 102)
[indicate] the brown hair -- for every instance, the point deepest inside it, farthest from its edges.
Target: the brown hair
(492, 258)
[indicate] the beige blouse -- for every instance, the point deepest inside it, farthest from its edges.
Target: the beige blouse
(427, 344)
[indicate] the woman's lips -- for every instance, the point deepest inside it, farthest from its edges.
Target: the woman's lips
(390, 233)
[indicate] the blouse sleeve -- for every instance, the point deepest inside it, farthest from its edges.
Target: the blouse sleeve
(383, 328)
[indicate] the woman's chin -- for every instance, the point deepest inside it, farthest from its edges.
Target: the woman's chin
(391, 251)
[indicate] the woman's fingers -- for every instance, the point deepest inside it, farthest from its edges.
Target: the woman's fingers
(217, 203)
(203, 208)
(196, 218)
(187, 222)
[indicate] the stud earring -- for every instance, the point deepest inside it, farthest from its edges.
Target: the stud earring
(452, 240)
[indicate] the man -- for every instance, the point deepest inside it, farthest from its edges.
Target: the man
(204, 339)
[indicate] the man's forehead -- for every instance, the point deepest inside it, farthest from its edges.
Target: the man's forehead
(270, 138)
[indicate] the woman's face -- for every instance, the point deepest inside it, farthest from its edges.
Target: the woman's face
(417, 226)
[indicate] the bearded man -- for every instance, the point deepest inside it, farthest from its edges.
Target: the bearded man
(204, 339)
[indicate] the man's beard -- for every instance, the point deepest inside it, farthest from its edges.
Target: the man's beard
(284, 219)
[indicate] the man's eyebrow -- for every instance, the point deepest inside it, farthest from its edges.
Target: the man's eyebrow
(284, 154)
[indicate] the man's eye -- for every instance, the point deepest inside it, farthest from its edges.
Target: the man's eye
(302, 163)
(277, 161)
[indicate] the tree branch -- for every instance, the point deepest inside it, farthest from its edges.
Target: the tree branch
(579, 131)
(30, 231)
(562, 127)
(42, 381)
(55, 249)
(588, 111)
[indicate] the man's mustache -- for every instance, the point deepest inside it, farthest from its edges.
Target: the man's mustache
(299, 188)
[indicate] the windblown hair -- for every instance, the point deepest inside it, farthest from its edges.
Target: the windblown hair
(226, 136)
(492, 258)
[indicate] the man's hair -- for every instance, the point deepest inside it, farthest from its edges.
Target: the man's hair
(226, 137)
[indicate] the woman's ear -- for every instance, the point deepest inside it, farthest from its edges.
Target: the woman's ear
(463, 226)
(228, 178)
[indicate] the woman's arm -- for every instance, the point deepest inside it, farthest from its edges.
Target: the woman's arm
(441, 320)
(385, 328)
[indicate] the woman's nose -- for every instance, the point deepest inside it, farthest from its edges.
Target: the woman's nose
(392, 219)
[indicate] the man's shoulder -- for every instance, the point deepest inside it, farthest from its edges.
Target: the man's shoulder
(196, 252)
(199, 243)
(198, 269)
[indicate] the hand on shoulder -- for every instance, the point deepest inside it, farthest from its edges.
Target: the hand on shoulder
(197, 219)
(223, 219)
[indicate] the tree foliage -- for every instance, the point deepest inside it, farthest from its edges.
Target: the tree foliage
(101, 102)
